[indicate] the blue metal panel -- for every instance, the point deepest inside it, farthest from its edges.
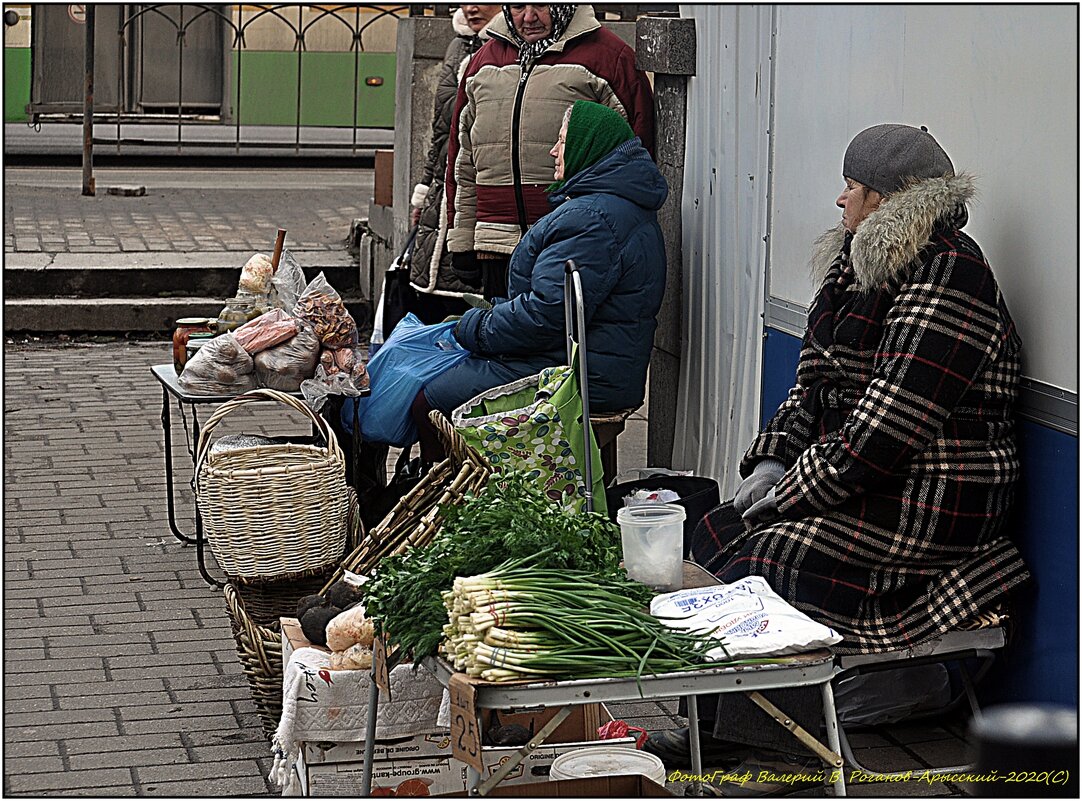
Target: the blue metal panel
(1041, 662)
(780, 355)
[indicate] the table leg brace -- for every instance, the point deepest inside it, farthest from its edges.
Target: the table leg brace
(831, 758)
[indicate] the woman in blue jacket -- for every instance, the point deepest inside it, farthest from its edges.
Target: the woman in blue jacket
(605, 201)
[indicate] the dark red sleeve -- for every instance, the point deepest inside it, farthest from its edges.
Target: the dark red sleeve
(633, 90)
(452, 140)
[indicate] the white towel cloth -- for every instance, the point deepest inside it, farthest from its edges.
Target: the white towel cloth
(324, 705)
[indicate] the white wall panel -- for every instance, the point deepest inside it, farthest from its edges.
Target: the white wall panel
(998, 87)
(724, 221)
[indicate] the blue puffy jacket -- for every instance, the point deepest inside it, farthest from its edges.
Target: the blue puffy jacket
(605, 218)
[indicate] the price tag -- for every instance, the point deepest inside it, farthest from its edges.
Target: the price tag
(381, 674)
(465, 734)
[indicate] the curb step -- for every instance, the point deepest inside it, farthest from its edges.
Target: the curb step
(144, 292)
(124, 315)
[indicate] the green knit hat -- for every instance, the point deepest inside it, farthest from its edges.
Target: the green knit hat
(593, 131)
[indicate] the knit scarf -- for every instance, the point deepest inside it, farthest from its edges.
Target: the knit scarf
(593, 131)
(529, 52)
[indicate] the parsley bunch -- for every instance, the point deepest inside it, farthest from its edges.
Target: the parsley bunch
(509, 519)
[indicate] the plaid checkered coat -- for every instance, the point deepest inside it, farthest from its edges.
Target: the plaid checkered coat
(898, 436)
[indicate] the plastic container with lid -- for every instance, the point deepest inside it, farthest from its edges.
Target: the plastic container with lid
(652, 536)
(607, 760)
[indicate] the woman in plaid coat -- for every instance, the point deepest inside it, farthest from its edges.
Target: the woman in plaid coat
(875, 498)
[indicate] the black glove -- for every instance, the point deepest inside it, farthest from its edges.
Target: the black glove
(466, 267)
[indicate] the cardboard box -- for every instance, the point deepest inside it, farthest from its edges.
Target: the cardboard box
(384, 194)
(398, 765)
(423, 764)
(293, 638)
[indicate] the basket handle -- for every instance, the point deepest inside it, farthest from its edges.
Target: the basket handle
(254, 396)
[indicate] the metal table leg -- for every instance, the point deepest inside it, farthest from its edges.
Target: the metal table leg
(370, 736)
(200, 540)
(830, 716)
(167, 431)
(695, 744)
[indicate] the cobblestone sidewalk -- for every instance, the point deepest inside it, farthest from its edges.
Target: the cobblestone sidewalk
(120, 676)
(49, 220)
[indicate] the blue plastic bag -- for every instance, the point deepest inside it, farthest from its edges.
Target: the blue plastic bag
(412, 356)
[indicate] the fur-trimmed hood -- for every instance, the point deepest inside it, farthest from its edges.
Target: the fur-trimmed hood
(889, 238)
(458, 21)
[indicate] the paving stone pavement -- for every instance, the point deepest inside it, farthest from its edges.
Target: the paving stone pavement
(119, 669)
(40, 219)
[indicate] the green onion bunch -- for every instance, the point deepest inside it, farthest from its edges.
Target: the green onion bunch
(522, 622)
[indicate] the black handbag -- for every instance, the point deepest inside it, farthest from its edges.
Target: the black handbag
(399, 297)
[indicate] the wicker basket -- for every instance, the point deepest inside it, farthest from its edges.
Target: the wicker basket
(416, 517)
(260, 652)
(272, 510)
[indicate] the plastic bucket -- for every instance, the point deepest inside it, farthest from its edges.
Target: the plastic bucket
(607, 760)
(652, 536)
(698, 495)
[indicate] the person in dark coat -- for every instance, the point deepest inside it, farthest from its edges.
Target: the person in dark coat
(875, 499)
(605, 201)
(439, 290)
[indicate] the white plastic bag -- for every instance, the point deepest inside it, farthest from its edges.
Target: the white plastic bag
(288, 281)
(748, 617)
(285, 366)
(221, 367)
(255, 275)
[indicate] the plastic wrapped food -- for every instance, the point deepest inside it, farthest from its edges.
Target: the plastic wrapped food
(356, 657)
(234, 442)
(221, 367)
(331, 379)
(350, 627)
(256, 274)
(288, 282)
(285, 366)
(266, 331)
(322, 306)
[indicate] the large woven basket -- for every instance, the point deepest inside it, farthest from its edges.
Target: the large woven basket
(413, 521)
(260, 651)
(272, 510)
(265, 600)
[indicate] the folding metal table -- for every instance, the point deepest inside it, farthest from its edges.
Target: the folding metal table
(815, 668)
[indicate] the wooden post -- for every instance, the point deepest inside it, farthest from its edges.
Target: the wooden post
(88, 105)
(278, 243)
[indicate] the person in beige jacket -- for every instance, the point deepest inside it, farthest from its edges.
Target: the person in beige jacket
(539, 60)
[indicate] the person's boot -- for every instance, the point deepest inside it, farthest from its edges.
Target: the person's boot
(673, 748)
(767, 774)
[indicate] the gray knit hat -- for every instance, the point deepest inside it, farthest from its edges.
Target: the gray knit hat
(884, 157)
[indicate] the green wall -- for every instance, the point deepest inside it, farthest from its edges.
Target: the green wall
(17, 83)
(268, 89)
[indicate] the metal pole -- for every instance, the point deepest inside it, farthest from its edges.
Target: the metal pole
(88, 105)
(575, 325)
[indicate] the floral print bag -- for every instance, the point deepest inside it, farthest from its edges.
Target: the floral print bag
(535, 424)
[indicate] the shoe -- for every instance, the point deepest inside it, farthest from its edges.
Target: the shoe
(673, 748)
(773, 774)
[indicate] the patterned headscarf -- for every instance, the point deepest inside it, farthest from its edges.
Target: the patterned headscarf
(528, 52)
